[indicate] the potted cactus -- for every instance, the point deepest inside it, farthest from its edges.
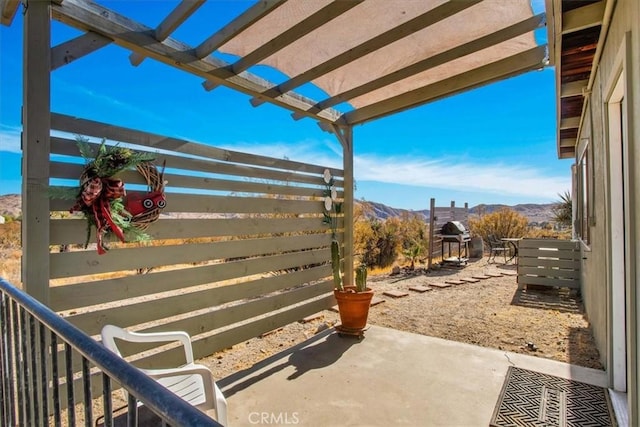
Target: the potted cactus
(353, 300)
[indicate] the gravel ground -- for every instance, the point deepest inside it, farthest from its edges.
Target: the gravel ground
(490, 313)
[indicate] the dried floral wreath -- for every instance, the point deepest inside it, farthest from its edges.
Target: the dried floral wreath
(102, 198)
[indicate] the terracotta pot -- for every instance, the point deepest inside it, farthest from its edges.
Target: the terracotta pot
(353, 307)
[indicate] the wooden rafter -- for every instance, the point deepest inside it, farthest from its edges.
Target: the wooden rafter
(76, 48)
(583, 17)
(416, 24)
(245, 20)
(525, 61)
(8, 9)
(185, 9)
(436, 60)
(570, 123)
(137, 37)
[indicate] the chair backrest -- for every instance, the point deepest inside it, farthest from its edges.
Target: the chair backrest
(110, 333)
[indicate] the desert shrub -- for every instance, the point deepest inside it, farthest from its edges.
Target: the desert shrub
(562, 210)
(377, 242)
(10, 235)
(414, 237)
(548, 233)
(504, 222)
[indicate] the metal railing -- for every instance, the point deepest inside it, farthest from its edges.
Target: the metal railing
(34, 392)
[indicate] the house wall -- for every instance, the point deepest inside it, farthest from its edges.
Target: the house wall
(624, 30)
(594, 273)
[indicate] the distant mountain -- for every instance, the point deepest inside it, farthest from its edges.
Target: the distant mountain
(10, 205)
(534, 212)
(381, 211)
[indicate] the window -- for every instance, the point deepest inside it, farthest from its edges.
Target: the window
(583, 177)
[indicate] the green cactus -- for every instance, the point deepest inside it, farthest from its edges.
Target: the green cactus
(361, 278)
(335, 264)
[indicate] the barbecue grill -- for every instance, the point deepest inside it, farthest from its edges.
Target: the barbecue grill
(455, 232)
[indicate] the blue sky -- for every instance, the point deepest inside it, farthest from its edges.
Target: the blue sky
(495, 144)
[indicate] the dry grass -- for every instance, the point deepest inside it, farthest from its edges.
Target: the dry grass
(10, 252)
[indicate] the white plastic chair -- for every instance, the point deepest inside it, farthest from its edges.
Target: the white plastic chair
(192, 382)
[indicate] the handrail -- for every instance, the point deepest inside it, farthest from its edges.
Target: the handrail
(158, 399)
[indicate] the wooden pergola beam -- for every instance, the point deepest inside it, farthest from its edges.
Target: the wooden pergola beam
(436, 60)
(8, 9)
(419, 22)
(522, 62)
(233, 28)
(229, 31)
(184, 10)
(137, 37)
(76, 48)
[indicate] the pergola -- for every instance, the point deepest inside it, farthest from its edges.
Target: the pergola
(372, 58)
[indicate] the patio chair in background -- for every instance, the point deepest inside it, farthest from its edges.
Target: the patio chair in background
(192, 382)
(496, 246)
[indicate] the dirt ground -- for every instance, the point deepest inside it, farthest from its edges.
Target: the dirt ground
(490, 313)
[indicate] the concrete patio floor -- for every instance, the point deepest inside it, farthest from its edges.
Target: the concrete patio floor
(388, 378)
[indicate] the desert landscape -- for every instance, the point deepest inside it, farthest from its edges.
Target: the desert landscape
(488, 312)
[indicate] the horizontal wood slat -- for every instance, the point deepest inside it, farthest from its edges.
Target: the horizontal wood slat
(90, 262)
(548, 281)
(547, 253)
(224, 204)
(549, 262)
(550, 272)
(106, 291)
(206, 345)
(74, 231)
(218, 319)
(174, 181)
(91, 128)
(559, 263)
(548, 244)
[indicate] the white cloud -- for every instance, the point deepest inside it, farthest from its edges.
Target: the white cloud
(508, 180)
(101, 98)
(496, 178)
(318, 152)
(10, 138)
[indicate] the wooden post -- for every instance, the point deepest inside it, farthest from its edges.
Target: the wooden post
(347, 161)
(345, 136)
(432, 223)
(36, 123)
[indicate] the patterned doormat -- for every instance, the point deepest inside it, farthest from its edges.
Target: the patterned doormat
(530, 398)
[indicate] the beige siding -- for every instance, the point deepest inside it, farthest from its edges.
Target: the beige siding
(596, 265)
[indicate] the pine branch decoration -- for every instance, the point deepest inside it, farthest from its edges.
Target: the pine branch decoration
(101, 195)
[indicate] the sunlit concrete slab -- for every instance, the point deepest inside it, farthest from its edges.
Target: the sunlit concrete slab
(388, 378)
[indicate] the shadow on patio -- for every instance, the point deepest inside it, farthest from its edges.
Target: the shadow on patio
(389, 378)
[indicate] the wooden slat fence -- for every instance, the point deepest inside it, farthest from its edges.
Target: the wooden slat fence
(241, 247)
(548, 262)
(438, 217)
